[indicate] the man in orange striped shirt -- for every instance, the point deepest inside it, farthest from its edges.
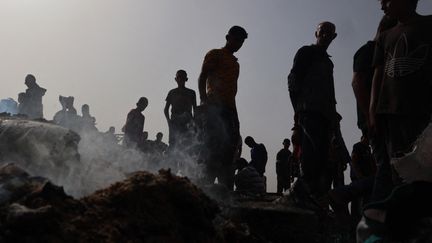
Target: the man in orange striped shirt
(218, 87)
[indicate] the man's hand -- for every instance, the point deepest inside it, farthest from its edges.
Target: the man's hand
(204, 99)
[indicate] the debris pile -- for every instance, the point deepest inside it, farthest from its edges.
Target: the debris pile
(143, 208)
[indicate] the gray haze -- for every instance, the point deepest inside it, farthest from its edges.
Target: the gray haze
(108, 53)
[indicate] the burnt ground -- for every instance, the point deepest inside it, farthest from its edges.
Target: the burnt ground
(150, 208)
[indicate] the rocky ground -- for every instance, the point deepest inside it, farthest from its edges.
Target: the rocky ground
(144, 208)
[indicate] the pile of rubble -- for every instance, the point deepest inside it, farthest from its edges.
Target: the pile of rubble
(142, 208)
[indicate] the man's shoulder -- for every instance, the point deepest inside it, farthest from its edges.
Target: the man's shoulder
(214, 52)
(359, 146)
(172, 91)
(190, 91)
(306, 49)
(366, 48)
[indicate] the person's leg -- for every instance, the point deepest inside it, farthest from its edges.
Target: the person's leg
(383, 184)
(279, 186)
(315, 147)
(231, 130)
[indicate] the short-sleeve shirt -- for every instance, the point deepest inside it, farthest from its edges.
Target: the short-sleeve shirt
(405, 53)
(181, 100)
(223, 75)
(363, 59)
(134, 125)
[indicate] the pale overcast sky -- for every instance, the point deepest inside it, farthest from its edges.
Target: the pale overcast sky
(108, 53)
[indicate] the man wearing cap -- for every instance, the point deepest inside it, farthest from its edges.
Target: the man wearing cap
(217, 88)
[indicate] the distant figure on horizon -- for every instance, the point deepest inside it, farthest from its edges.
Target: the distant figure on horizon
(88, 122)
(183, 104)
(110, 135)
(283, 167)
(312, 93)
(217, 85)
(158, 145)
(31, 100)
(258, 155)
(67, 116)
(133, 129)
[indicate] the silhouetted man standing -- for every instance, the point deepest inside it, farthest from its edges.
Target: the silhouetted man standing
(33, 99)
(182, 102)
(133, 129)
(258, 155)
(217, 88)
(363, 75)
(283, 167)
(312, 94)
(401, 100)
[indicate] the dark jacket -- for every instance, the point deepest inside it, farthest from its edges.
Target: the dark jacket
(311, 84)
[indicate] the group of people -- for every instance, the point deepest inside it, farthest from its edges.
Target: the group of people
(392, 86)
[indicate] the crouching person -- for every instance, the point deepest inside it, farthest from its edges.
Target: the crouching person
(248, 180)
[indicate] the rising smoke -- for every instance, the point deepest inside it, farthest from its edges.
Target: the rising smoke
(87, 162)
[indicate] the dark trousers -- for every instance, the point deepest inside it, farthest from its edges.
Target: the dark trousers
(283, 184)
(179, 130)
(395, 135)
(315, 150)
(222, 136)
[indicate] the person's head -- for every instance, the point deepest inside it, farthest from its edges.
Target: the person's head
(142, 103)
(241, 163)
(159, 136)
(111, 130)
(68, 101)
(181, 78)
(22, 97)
(249, 141)
(30, 80)
(286, 143)
(325, 34)
(235, 38)
(85, 109)
(399, 9)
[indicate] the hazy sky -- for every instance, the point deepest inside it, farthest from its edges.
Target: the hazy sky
(108, 53)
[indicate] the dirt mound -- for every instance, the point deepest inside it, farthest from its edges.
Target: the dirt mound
(143, 208)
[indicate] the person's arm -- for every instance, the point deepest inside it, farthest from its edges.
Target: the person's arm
(194, 104)
(355, 160)
(210, 61)
(377, 82)
(202, 85)
(361, 92)
(166, 111)
(298, 72)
